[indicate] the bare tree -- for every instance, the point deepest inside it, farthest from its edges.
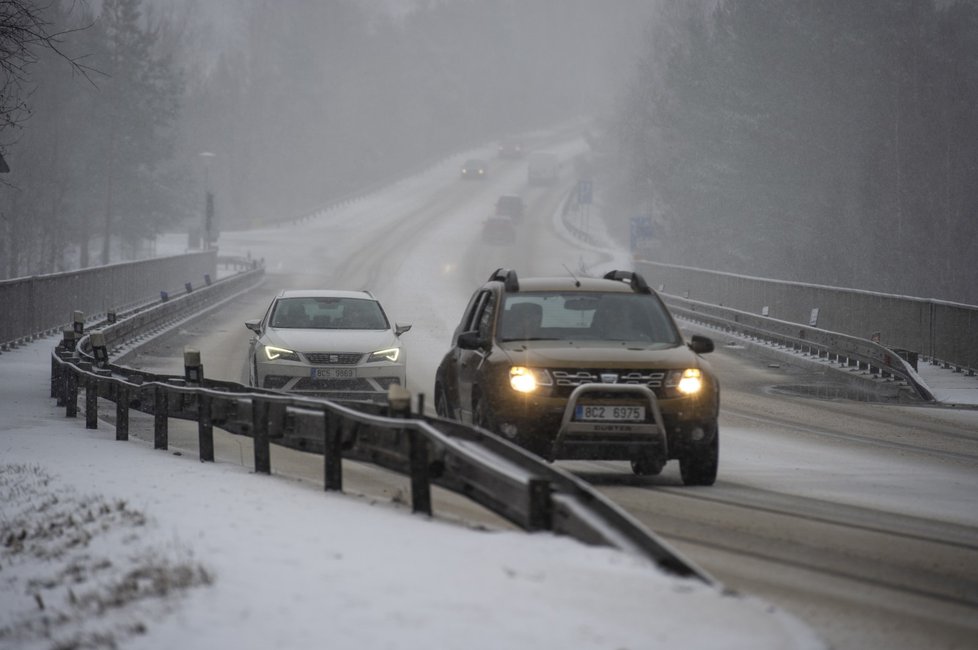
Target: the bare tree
(24, 32)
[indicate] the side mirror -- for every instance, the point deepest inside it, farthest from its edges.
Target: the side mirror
(254, 326)
(701, 344)
(470, 341)
(400, 328)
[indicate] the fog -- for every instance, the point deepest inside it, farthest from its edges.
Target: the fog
(833, 145)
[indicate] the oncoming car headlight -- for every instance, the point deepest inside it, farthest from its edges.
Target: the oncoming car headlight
(273, 353)
(527, 380)
(390, 354)
(686, 382)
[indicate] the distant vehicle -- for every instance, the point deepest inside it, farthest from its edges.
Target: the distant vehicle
(510, 205)
(475, 169)
(511, 148)
(330, 343)
(499, 231)
(584, 369)
(542, 168)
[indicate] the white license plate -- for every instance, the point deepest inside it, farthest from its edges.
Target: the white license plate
(334, 373)
(605, 413)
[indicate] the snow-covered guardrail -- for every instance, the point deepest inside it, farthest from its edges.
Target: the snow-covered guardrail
(487, 469)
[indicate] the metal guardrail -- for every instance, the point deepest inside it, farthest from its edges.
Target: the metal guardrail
(35, 305)
(847, 351)
(475, 463)
(941, 330)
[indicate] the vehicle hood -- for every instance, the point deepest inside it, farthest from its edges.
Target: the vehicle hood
(321, 340)
(591, 354)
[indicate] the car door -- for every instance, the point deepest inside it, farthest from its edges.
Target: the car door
(471, 361)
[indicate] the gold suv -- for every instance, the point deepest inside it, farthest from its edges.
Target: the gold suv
(583, 368)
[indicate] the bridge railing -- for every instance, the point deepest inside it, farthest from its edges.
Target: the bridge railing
(943, 331)
(35, 305)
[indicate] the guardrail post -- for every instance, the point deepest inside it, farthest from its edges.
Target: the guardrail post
(160, 417)
(122, 413)
(71, 392)
(420, 480)
(91, 398)
(55, 371)
(205, 428)
(259, 421)
(332, 453)
(540, 511)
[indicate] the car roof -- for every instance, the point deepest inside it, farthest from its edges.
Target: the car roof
(325, 293)
(573, 284)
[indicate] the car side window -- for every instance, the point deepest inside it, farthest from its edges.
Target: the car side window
(486, 316)
(469, 318)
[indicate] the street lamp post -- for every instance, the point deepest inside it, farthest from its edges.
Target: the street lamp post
(208, 201)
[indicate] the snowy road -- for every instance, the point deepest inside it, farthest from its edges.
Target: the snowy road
(860, 518)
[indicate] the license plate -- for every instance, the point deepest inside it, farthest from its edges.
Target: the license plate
(334, 373)
(605, 413)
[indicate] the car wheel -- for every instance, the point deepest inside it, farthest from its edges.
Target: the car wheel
(700, 466)
(647, 466)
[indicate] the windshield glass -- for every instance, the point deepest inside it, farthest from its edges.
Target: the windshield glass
(329, 313)
(586, 316)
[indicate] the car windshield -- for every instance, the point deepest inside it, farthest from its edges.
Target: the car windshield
(329, 314)
(581, 315)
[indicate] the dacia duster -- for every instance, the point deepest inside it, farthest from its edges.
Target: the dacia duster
(583, 368)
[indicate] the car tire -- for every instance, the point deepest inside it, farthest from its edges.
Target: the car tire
(700, 467)
(647, 466)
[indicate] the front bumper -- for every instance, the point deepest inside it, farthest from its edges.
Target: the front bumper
(368, 383)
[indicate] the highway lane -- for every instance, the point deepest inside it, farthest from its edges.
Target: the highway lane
(857, 517)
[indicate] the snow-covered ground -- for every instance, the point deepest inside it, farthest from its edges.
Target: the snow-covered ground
(111, 544)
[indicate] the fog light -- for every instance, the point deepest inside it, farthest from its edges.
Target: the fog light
(697, 434)
(508, 430)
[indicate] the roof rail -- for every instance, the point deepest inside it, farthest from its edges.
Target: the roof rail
(508, 277)
(636, 281)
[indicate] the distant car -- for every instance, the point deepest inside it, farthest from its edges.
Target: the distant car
(510, 205)
(499, 231)
(330, 343)
(583, 369)
(511, 148)
(475, 169)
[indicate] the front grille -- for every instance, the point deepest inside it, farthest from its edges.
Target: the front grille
(307, 383)
(275, 381)
(566, 380)
(334, 358)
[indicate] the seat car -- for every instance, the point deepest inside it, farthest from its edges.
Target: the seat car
(498, 231)
(510, 205)
(475, 169)
(336, 344)
(583, 368)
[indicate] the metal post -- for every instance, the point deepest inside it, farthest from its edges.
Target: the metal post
(420, 481)
(259, 421)
(205, 428)
(193, 370)
(332, 453)
(91, 403)
(71, 393)
(540, 512)
(55, 372)
(122, 414)
(160, 418)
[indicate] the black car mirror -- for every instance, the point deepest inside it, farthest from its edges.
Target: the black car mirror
(401, 328)
(470, 340)
(701, 344)
(254, 326)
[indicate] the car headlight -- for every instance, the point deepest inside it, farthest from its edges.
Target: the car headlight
(390, 354)
(687, 382)
(527, 380)
(273, 353)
